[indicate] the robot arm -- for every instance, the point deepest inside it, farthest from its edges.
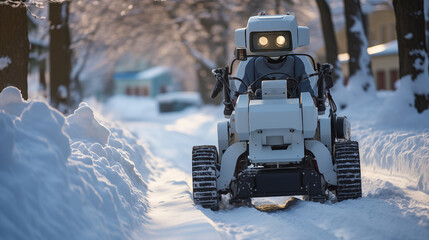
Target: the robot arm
(245, 71)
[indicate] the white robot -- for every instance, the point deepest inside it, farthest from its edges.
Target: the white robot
(279, 139)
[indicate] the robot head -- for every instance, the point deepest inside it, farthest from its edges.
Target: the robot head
(271, 36)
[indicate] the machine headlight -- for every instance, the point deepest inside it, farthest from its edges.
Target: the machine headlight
(270, 41)
(263, 41)
(280, 41)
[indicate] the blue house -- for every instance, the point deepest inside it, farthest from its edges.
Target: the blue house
(148, 83)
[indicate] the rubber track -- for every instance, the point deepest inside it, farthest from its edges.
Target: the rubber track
(348, 170)
(204, 160)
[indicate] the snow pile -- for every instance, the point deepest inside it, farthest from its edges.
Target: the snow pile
(398, 109)
(83, 125)
(393, 137)
(403, 98)
(67, 178)
(353, 92)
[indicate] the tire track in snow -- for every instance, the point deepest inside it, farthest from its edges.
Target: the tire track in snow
(172, 214)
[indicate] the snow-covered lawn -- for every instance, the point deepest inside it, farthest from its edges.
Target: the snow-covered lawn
(86, 177)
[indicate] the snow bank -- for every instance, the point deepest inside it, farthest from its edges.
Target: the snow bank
(67, 178)
(397, 152)
(398, 111)
(393, 137)
(353, 93)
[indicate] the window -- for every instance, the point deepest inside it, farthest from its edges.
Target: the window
(381, 80)
(145, 91)
(129, 91)
(394, 76)
(163, 89)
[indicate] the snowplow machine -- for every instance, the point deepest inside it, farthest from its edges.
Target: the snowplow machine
(282, 136)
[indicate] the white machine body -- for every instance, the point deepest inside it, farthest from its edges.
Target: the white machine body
(272, 144)
(275, 130)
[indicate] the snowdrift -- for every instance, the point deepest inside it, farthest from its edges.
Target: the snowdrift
(393, 137)
(67, 177)
(397, 152)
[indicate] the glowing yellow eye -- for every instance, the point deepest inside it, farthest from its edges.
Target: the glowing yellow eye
(263, 41)
(280, 41)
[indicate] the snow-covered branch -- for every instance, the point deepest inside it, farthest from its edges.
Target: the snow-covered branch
(36, 3)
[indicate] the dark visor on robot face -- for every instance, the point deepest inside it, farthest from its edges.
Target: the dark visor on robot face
(270, 41)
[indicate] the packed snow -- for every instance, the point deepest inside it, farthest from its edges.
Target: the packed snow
(86, 176)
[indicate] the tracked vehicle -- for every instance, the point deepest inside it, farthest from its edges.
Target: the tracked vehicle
(280, 138)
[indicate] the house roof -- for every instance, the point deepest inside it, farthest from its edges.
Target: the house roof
(151, 72)
(385, 49)
(142, 75)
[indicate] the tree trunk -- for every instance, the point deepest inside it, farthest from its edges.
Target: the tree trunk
(42, 77)
(42, 72)
(331, 47)
(60, 55)
(14, 48)
(426, 7)
(410, 28)
(277, 7)
(357, 44)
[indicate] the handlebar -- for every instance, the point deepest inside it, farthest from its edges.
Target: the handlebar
(223, 75)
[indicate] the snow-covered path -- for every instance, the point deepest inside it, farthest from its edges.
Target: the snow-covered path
(171, 212)
(85, 177)
(392, 207)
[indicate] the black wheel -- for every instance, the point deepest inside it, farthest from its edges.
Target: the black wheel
(204, 159)
(348, 170)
